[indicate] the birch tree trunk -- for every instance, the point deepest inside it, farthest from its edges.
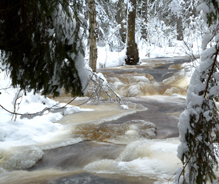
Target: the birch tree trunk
(132, 48)
(92, 35)
(144, 12)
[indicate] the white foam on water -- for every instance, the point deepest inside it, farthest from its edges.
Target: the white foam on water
(155, 159)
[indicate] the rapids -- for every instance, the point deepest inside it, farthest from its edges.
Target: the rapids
(110, 145)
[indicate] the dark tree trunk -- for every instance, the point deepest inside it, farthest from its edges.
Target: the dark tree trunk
(132, 48)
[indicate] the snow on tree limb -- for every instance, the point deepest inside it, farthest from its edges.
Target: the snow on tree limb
(43, 45)
(198, 124)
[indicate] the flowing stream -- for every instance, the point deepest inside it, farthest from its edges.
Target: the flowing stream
(114, 146)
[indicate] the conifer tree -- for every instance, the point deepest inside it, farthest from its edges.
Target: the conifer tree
(43, 46)
(199, 123)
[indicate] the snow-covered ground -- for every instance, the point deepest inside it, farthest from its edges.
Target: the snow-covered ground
(25, 131)
(107, 59)
(40, 129)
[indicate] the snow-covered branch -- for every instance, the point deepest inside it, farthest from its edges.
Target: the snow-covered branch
(99, 86)
(199, 123)
(53, 109)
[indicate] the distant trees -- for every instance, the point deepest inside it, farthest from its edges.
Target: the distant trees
(116, 27)
(42, 45)
(111, 24)
(121, 19)
(177, 14)
(170, 12)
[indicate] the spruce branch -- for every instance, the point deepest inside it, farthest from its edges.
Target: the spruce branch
(197, 125)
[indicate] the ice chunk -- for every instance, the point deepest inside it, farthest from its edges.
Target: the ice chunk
(20, 158)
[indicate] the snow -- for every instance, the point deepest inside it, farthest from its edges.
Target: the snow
(125, 107)
(23, 132)
(200, 100)
(131, 6)
(30, 133)
(206, 39)
(20, 158)
(107, 59)
(203, 7)
(82, 72)
(149, 158)
(155, 52)
(22, 141)
(42, 128)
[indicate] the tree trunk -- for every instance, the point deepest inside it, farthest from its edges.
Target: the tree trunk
(144, 14)
(132, 48)
(179, 28)
(121, 19)
(92, 35)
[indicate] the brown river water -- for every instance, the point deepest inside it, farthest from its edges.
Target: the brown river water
(135, 146)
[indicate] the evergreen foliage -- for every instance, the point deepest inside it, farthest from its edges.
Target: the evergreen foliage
(199, 123)
(42, 44)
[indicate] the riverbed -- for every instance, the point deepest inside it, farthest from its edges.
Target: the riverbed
(110, 145)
